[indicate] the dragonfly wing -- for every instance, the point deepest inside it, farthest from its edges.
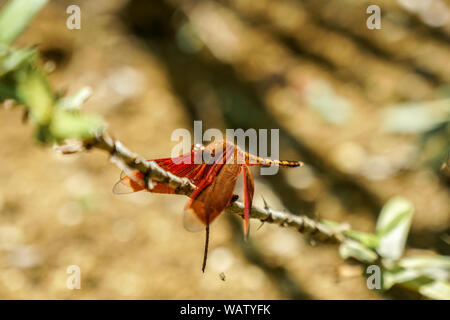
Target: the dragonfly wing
(182, 166)
(185, 166)
(131, 183)
(135, 182)
(191, 221)
(121, 187)
(213, 199)
(201, 208)
(194, 219)
(249, 188)
(198, 206)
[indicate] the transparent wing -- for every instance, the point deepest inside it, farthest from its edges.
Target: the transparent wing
(182, 166)
(129, 184)
(191, 221)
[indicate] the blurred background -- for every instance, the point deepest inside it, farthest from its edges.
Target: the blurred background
(366, 110)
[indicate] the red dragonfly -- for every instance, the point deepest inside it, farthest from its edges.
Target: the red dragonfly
(215, 180)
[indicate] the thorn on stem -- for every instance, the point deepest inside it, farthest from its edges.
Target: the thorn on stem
(266, 206)
(260, 226)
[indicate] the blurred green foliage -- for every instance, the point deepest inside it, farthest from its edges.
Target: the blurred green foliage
(427, 275)
(15, 17)
(23, 80)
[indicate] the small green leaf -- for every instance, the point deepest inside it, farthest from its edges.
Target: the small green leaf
(391, 278)
(420, 262)
(33, 91)
(66, 125)
(354, 249)
(12, 59)
(436, 290)
(434, 267)
(393, 227)
(335, 226)
(369, 240)
(76, 101)
(15, 17)
(413, 280)
(427, 275)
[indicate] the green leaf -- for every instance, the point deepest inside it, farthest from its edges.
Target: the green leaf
(75, 125)
(335, 226)
(427, 275)
(391, 278)
(369, 240)
(393, 227)
(436, 290)
(12, 59)
(15, 17)
(433, 267)
(420, 262)
(33, 91)
(76, 101)
(414, 280)
(354, 249)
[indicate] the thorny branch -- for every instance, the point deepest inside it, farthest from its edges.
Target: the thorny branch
(126, 159)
